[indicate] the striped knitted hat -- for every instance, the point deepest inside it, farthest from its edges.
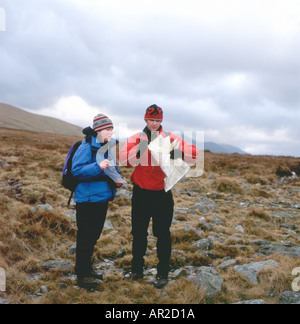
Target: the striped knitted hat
(101, 122)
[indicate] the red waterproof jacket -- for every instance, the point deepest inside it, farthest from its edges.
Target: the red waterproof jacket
(148, 174)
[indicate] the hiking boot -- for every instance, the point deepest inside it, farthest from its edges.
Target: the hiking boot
(161, 281)
(87, 283)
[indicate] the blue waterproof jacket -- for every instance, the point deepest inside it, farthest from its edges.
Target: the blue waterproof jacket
(86, 169)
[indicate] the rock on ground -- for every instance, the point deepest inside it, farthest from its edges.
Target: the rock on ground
(209, 279)
(251, 270)
(289, 297)
(252, 302)
(57, 265)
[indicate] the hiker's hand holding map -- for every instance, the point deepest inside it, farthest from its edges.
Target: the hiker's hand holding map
(112, 172)
(109, 168)
(104, 165)
(166, 155)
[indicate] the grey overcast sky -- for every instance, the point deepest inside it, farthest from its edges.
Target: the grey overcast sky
(230, 68)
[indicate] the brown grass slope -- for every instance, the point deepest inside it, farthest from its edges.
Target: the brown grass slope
(236, 190)
(16, 118)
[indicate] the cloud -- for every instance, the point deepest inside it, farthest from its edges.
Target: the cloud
(216, 66)
(2, 20)
(72, 108)
(79, 112)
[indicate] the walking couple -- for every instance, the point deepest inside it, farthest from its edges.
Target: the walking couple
(94, 166)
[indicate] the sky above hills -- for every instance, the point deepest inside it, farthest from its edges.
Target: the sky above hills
(229, 68)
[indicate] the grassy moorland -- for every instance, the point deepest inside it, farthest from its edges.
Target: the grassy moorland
(238, 204)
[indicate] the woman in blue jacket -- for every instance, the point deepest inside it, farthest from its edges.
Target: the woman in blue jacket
(91, 165)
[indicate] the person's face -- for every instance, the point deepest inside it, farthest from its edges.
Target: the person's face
(153, 124)
(105, 135)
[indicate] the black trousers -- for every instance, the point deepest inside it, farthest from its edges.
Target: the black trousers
(90, 222)
(159, 206)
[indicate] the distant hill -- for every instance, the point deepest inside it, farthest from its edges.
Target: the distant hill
(217, 148)
(222, 148)
(209, 146)
(16, 118)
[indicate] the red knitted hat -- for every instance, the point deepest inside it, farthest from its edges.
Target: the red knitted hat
(154, 112)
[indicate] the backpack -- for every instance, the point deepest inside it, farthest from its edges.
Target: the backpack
(68, 181)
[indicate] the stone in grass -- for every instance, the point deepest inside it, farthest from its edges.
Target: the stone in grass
(251, 270)
(289, 298)
(208, 279)
(56, 265)
(46, 207)
(252, 302)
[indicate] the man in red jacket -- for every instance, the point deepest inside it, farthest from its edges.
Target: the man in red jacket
(150, 200)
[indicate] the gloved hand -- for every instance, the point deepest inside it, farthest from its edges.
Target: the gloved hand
(176, 154)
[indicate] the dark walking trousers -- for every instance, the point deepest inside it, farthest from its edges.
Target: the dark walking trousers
(90, 222)
(159, 206)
